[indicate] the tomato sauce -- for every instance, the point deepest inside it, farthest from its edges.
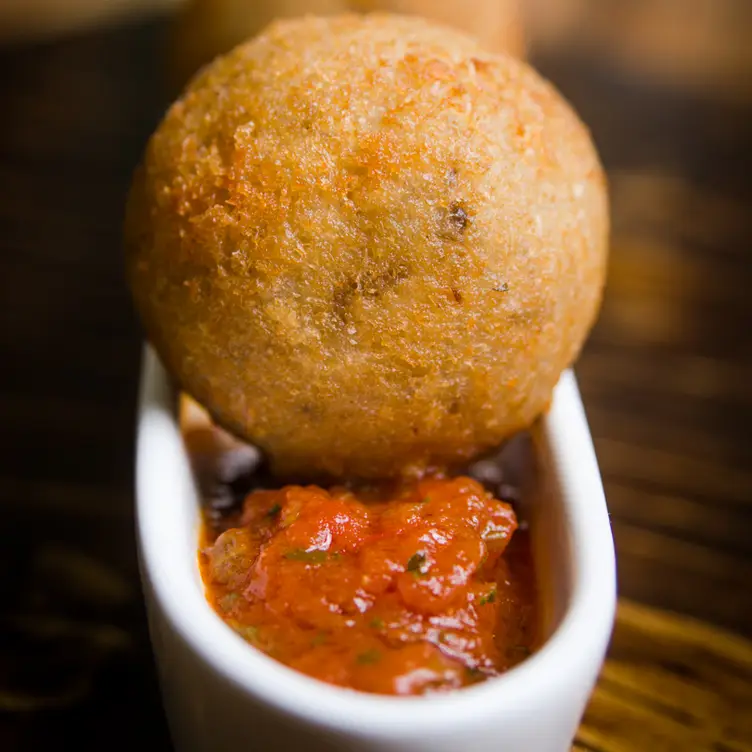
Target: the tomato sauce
(408, 589)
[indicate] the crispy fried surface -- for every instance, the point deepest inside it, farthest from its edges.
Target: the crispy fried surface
(366, 245)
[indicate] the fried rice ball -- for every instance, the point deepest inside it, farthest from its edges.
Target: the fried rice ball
(367, 246)
(206, 28)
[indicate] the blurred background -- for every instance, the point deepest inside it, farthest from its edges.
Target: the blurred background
(666, 87)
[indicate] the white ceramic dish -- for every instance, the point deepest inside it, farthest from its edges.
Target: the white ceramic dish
(221, 695)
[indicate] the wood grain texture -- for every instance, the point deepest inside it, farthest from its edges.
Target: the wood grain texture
(666, 375)
(670, 683)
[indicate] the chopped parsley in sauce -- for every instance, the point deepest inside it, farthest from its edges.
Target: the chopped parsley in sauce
(422, 588)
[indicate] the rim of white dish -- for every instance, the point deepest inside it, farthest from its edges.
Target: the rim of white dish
(588, 617)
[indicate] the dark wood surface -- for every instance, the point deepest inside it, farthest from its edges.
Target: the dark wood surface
(666, 377)
(670, 684)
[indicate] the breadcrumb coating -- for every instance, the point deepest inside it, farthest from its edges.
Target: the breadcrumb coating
(366, 245)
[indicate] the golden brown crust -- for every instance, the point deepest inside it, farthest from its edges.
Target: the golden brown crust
(367, 245)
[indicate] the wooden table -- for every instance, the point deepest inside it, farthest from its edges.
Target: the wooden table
(666, 377)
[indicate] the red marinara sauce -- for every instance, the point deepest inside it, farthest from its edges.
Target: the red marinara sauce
(405, 590)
